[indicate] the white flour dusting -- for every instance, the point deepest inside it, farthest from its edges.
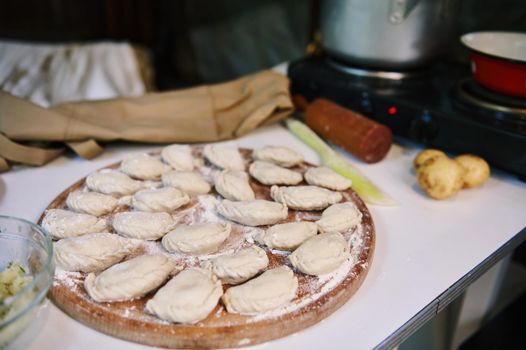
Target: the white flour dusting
(67, 278)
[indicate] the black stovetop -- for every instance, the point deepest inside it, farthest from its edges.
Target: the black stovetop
(426, 107)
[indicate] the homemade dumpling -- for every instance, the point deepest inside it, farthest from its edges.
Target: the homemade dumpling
(92, 203)
(224, 157)
(271, 174)
(143, 166)
(90, 252)
(179, 157)
(233, 185)
(321, 254)
(163, 199)
(253, 213)
(62, 223)
(142, 225)
(130, 279)
(305, 197)
(282, 156)
(272, 289)
(190, 182)
(239, 266)
(112, 182)
(288, 236)
(197, 238)
(326, 177)
(187, 298)
(339, 217)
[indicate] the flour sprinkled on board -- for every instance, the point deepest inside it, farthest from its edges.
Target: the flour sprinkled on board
(68, 278)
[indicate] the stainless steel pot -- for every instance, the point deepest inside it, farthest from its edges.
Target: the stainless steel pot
(385, 34)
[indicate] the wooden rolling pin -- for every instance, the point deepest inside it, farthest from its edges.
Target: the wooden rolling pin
(361, 136)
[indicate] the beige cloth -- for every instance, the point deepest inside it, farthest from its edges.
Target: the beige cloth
(205, 113)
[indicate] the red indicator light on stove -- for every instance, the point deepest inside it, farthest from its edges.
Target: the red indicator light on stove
(392, 110)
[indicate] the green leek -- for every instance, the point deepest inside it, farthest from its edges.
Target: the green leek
(368, 191)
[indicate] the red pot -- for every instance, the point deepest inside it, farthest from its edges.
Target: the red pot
(498, 60)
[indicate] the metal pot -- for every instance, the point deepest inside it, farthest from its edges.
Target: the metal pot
(385, 34)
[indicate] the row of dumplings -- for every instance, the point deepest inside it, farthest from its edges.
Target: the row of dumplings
(91, 252)
(193, 293)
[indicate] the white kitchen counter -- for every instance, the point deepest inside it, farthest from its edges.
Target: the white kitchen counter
(422, 248)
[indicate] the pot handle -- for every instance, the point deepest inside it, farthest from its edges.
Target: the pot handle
(400, 9)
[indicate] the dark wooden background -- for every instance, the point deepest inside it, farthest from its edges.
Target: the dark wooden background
(163, 26)
(239, 36)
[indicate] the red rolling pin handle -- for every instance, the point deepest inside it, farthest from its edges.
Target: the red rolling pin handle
(361, 136)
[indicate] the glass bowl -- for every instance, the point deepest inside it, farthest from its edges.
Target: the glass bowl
(30, 246)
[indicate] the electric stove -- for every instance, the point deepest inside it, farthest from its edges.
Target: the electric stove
(441, 107)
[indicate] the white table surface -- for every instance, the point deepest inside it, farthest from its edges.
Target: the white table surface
(423, 246)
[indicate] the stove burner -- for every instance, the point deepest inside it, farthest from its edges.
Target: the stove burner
(501, 109)
(435, 109)
(371, 73)
(489, 99)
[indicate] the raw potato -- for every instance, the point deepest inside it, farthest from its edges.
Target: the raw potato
(440, 177)
(426, 155)
(477, 170)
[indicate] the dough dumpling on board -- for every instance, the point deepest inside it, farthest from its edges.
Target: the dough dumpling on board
(272, 174)
(240, 266)
(224, 157)
(92, 203)
(196, 239)
(321, 254)
(233, 185)
(272, 289)
(279, 155)
(163, 199)
(253, 213)
(113, 182)
(190, 182)
(305, 197)
(189, 297)
(142, 225)
(130, 279)
(339, 218)
(91, 252)
(328, 178)
(288, 236)
(178, 157)
(143, 166)
(62, 223)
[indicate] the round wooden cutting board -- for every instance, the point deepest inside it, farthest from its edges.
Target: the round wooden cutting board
(317, 297)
